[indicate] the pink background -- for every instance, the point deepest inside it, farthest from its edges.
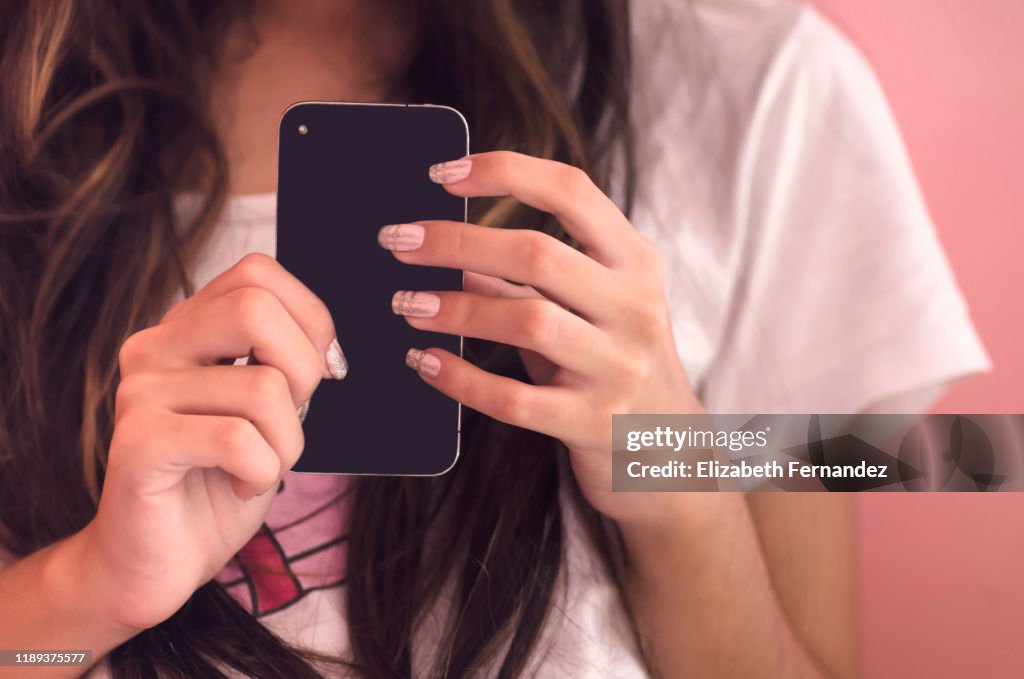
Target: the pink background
(943, 575)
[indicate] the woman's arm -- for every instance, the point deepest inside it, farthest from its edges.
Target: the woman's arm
(761, 585)
(810, 544)
(50, 601)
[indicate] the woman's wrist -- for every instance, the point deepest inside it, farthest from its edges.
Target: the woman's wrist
(673, 525)
(82, 594)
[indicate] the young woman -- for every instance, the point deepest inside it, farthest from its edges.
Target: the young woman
(776, 256)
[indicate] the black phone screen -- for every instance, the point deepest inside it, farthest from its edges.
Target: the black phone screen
(345, 171)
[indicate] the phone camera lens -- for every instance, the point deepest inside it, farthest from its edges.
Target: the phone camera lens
(303, 129)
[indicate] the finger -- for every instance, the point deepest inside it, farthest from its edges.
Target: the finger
(242, 322)
(583, 210)
(540, 369)
(257, 393)
(164, 447)
(496, 287)
(545, 409)
(534, 324)
(554, 269)
(263, 271)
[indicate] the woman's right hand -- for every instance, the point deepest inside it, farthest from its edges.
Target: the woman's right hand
(198, 443)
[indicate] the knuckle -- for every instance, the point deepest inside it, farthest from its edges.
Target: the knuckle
(575, 182)
(541, 252)
(515, 406)
(538, 325)
(132, 350)
(267, 384)
(651, 321)
(504, 162)
(233, 435)
(254, 268)
(633, 370)
(603, 406)
(251, 306)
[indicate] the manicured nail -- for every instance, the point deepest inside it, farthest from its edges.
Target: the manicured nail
(452, 172)
(337, 366)
(423, 363)
(420, 304)
(302, 410)
(401, 237)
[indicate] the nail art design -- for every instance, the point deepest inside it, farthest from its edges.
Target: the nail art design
(302, 410)
(423, 363)
(401, 237)
(419, 304)
(337, 366)
(451, 172)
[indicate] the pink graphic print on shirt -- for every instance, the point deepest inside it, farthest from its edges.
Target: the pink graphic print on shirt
(301, 547)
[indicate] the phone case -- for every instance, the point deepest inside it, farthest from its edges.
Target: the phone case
(344, 171)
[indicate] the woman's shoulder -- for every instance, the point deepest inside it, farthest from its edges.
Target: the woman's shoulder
(698, 38)
(723, 89)
(705, 69)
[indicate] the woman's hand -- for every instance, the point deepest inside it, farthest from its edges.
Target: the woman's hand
(197, 443)
(593, 328)
(593, 325)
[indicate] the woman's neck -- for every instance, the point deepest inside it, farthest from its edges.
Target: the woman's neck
(288, 52)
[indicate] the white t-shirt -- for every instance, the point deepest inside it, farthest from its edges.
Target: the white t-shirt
(803, 274)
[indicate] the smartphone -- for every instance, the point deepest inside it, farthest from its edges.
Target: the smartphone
(344, 171)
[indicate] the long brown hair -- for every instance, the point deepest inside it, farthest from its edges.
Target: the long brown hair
(102, 122)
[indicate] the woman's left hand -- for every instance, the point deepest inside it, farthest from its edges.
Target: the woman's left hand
(592, 325)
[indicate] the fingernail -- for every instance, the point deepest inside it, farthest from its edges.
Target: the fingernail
(423, 363)
(452, 172)
(401, 237)
(302, 410)
(420, 304)
(337, 366)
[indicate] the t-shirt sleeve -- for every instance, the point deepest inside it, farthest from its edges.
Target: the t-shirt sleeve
(843, 296)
